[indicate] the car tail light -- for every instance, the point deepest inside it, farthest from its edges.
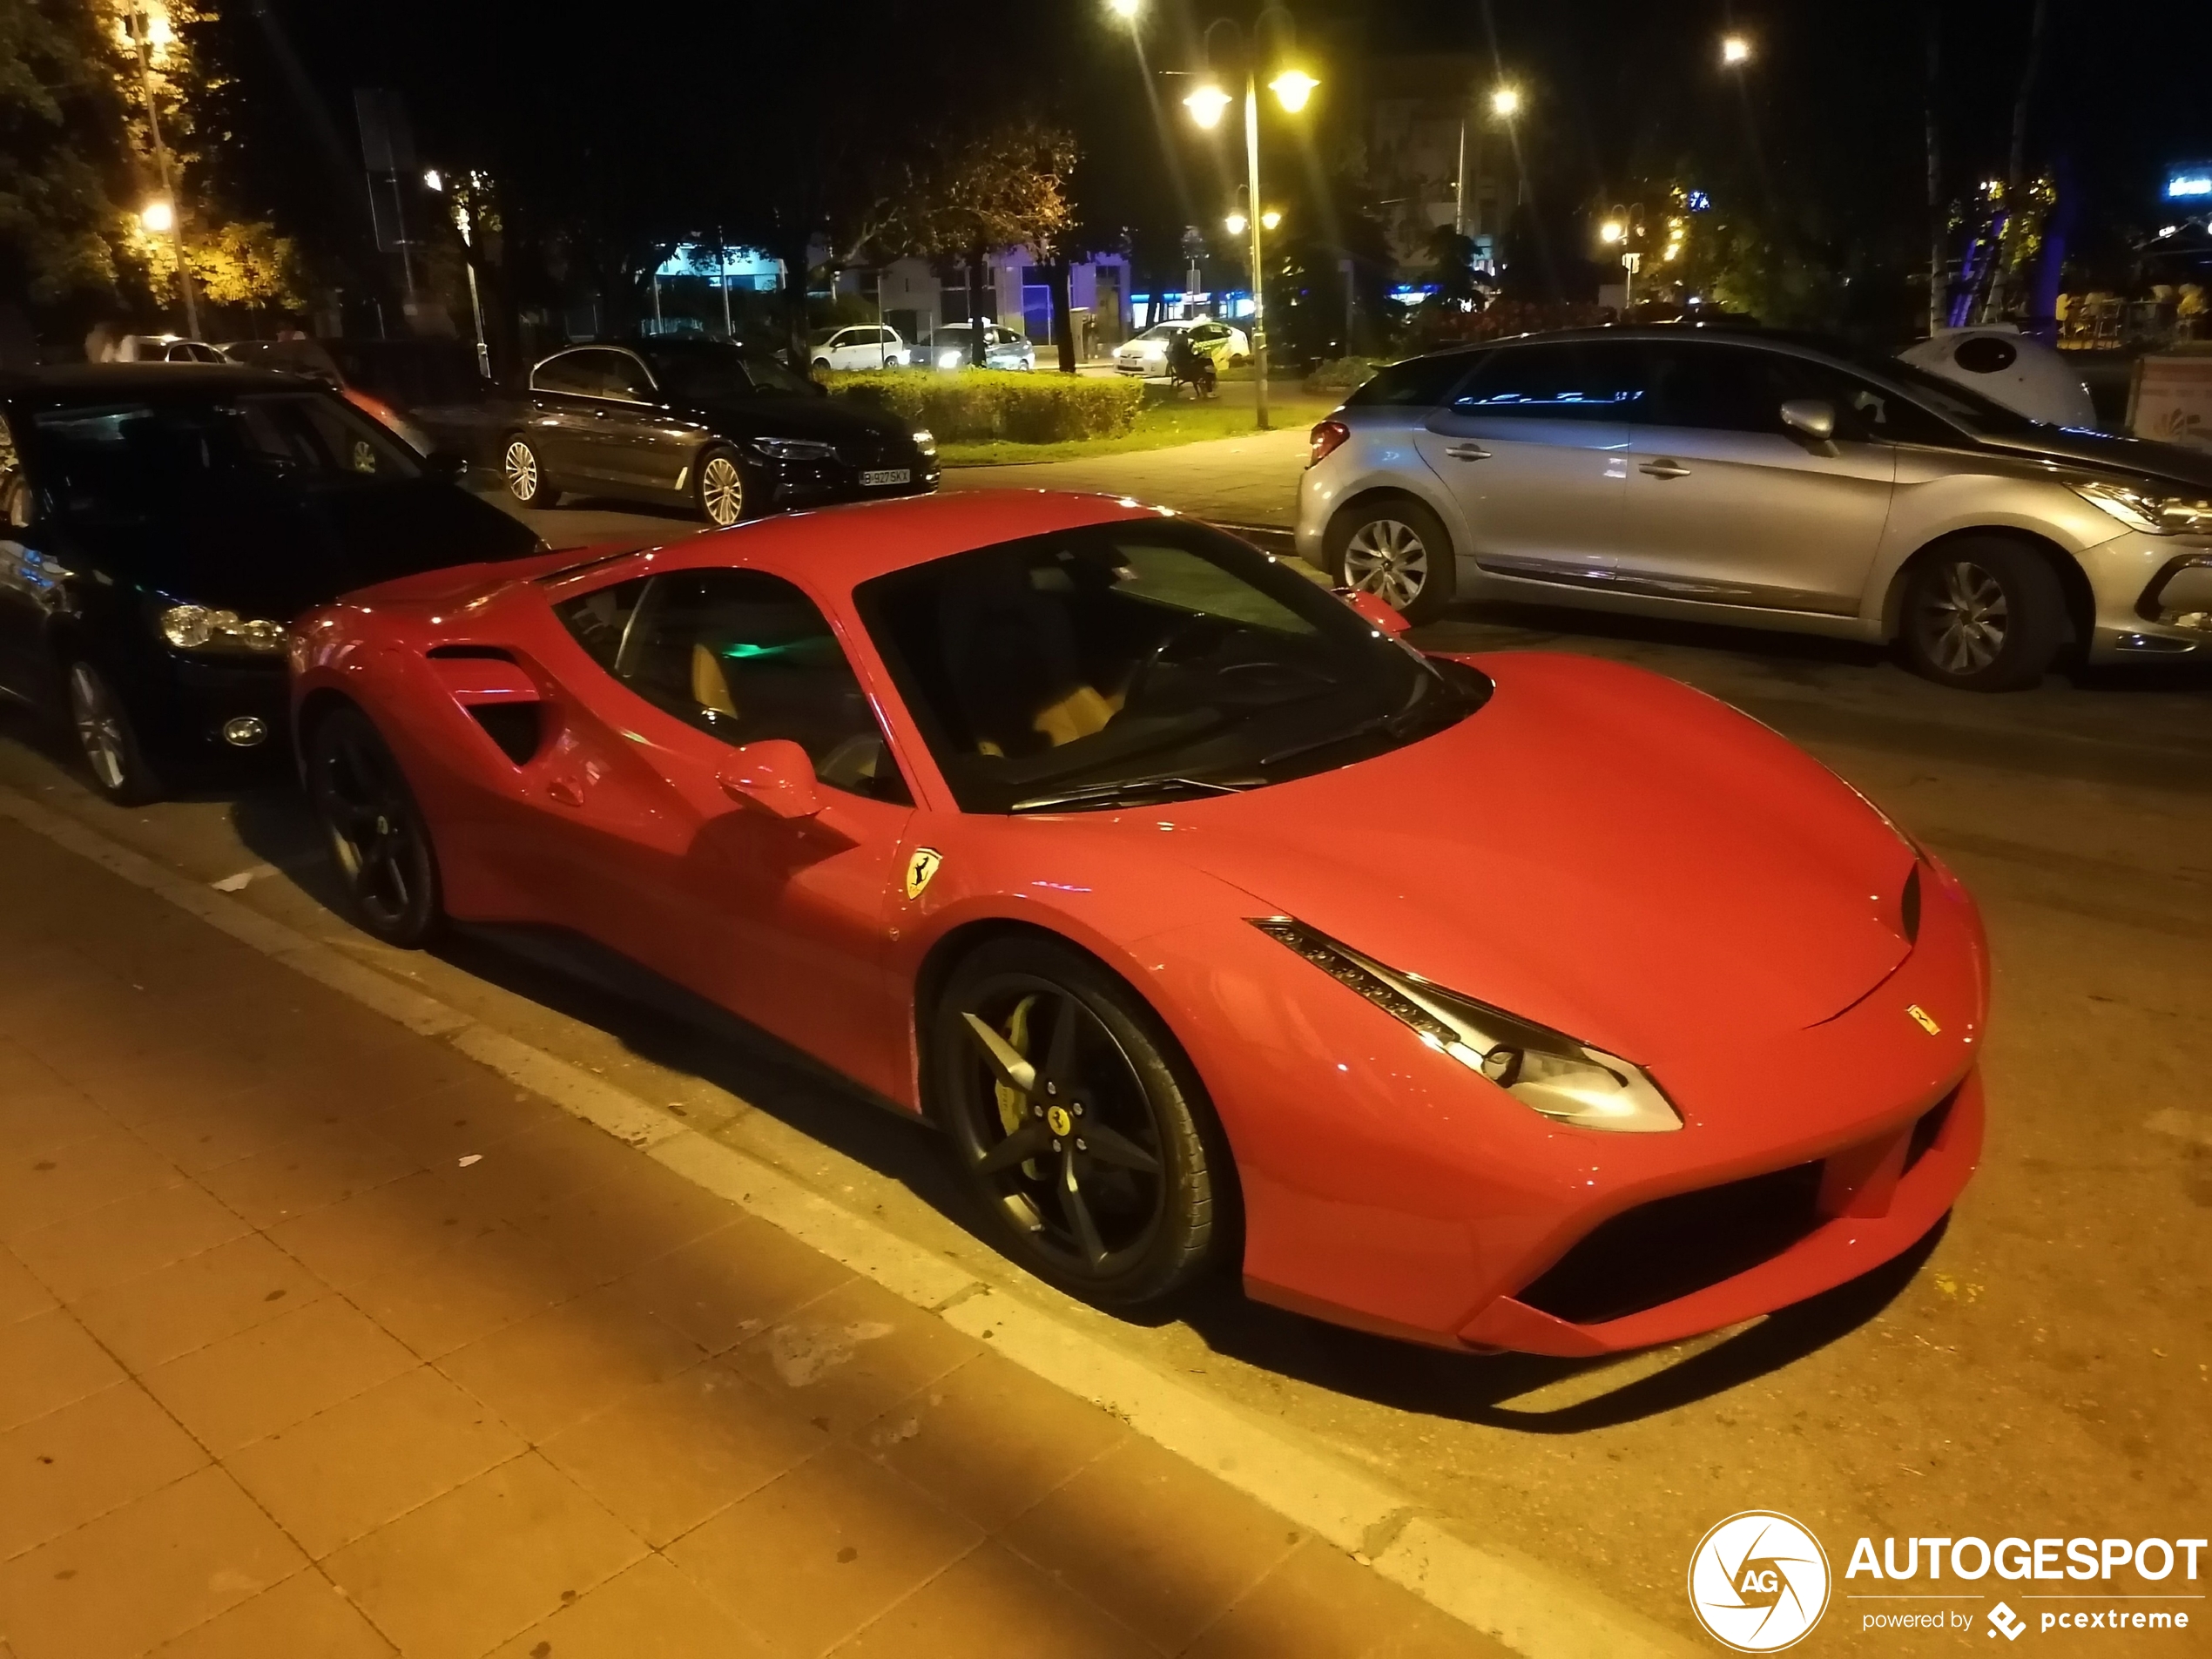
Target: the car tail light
(1324, 439)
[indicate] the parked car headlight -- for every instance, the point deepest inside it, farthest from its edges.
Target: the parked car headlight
(951, 358)
(2149, 508)
(926, 440)
(200, 628)
(794, 449)
(1546, 1070)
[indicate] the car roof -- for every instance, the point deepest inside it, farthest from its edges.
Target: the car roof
(85, 381)
(838, 547)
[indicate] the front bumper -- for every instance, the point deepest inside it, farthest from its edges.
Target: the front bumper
(2152, 596)
(813, 483)
(180, 704)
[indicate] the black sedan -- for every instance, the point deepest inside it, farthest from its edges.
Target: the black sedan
(162, 527)
(704, 423)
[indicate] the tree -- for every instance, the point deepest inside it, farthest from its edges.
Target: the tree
(62, 162)
(1451, 257)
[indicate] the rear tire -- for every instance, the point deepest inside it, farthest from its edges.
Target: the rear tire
(1397, 550)
(378, 838)
(1124, 1193)
(720, 491)
(1982, 614)
(107, 740)
(525, 476)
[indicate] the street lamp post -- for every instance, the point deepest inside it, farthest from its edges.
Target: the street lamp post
(1291, 88)
(140, 25)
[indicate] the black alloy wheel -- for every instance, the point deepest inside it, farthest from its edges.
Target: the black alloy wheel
(377, 838)
(106, 739)
(1983, 615)
(1397, 550)
(1076, 1124)
(525, 474)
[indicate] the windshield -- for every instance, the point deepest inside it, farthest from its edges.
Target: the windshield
(715, 372)
(135, 459)
(1163, 330)
(1120, 663)
(1969, 409)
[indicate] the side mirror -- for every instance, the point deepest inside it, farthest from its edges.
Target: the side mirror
(772, 776)
(1814, 416)
(1373, 609)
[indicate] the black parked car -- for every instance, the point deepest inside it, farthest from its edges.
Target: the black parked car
(704, 423)
(162, 526)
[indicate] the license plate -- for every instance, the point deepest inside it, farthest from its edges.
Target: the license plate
(887, 476)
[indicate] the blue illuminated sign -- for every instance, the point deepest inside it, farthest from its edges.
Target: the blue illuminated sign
(1697, 201)
(2189, 182)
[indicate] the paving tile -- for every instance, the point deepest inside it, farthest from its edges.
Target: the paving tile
(991, 1601)
(479, 1284)
(277, 1374)
(990, 1440)
(524, 1170)
(201, 1300)
(1321, 1602)
(376, 1233)
(38, 1111)
(347, 1471)
(485, 1561)
(308, 1172)
(557, 1367)
(650, 1611)
(305, 1617)
(122, 1240)
(143, 1573)
(460, 1114)
(62, 1469)
(619, 1224)
(51, 1361)
(722, 1288)
(137, 1077)
(664, 1457)
(39, 1188)
(1120, 1534)
(21, 1294)
(205, 1135)
(820, 1552)
(845, 1358)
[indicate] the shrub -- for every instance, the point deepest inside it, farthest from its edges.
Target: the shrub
(978, 404)
(1342, 373)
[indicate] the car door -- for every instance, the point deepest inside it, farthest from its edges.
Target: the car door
(1729, 505)
(563, 400)
(783, 921)
(1534, 445)
(635, 443)
(838, 349)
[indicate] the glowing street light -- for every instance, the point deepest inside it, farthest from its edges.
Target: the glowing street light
(1735, 49)
(1235, 224)
(1206, 104)
(159, 217)
(1271, 220)
(1125, 9)
(1293, 87)
(1612, 231)
(1505, 101)
(433, 179)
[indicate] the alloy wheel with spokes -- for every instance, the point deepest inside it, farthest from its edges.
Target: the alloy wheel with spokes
(1072, 1125)
(377, 836)
(525, 474)
(105, 739)
(1396, 549)
(1962, 617)
(1983, 614)
(721, 489)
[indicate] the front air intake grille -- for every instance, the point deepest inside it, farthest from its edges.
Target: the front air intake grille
(1926, 1128)
(1659, 1251)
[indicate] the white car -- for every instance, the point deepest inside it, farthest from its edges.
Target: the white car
(164, 348)
(1147, 355)
(863, 346)
(952, 347)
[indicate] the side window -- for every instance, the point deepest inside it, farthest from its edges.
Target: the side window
(1419, 382)
(744, 656)
(1567, 381)
(1864, 411)
(599, 619)
(1724, 388)
(569, 373)
(622, 376)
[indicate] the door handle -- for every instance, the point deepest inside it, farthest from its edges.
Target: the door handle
(567, 791)
(1467, 452)
(1664, 470)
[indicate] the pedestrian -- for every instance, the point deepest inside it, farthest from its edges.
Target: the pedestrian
(103, 344)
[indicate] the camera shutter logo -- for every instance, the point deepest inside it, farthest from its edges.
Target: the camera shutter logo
(1758, 1581)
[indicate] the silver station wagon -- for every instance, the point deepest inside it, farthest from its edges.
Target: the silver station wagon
(1767, 482)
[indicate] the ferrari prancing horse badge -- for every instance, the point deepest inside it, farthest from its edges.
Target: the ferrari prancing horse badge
(920, 868)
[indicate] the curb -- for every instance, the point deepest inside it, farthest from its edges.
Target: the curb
(1506, 1596)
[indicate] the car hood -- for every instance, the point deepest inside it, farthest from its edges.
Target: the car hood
(274, 555)
(1609, 852)
(817, 418)
(2107, 452)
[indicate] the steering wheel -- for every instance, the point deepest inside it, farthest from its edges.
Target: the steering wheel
(1141, 679)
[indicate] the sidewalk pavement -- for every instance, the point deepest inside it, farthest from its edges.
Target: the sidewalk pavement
(1233, 481)
(315, 1339)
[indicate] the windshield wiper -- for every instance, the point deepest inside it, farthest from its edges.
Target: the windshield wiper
(1364, 728)
(1135, 792)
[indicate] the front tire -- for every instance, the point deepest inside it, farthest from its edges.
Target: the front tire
(524, 473)
(378, 838)
(720, 488)
(1397, 550)
(107, 740)
(1983, 614)
(1076, 1124)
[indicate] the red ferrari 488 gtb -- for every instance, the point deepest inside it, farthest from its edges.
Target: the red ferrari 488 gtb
(1522, 1001)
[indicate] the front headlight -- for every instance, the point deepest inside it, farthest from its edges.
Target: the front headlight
(951, 358)
(926, 440)
(2150, 509)
(200, 628)
(794, 449)
(1546, 1070)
